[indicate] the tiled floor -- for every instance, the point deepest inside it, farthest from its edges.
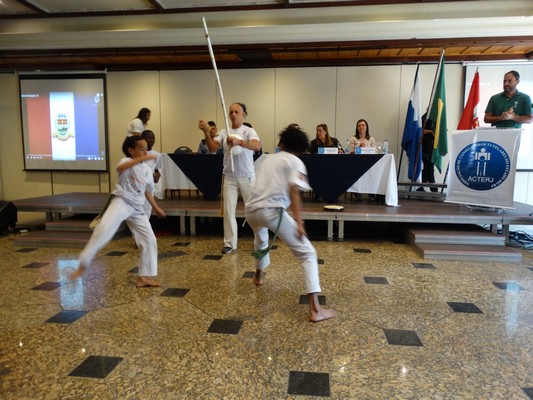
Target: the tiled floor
(406, 328)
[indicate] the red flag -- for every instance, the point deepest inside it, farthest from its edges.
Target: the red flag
(469, 119)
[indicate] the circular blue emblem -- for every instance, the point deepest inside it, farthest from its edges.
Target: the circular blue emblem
(482, 166)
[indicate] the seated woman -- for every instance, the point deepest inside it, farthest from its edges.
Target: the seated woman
(362, 136)
(323, 140)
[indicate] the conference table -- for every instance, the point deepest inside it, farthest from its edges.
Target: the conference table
(330, 175)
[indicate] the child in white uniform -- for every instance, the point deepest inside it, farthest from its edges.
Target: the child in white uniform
(277, 187)
(135, 184)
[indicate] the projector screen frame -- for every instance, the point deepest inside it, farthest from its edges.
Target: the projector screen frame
(80, 97)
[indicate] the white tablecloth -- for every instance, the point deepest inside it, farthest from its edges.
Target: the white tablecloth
(172, 177)
(379, 179)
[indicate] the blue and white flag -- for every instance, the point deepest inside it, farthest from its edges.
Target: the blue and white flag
(412, 133)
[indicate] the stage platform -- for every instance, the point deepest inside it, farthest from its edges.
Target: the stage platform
(409, 211)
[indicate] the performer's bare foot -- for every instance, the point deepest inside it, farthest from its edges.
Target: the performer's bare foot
(322, 315)
(76, 274)
(316, 312)
(259, 277)
(142, 281)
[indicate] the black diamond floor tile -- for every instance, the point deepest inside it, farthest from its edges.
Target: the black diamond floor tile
(175, 292)
(528, 391)
(304, 299)
(424, 266)
(66, 317)
(96, 367)
(116, 253)
(362, 251)
(402, 337)
(26, 250)
(212, 257)
(170, 254)
(181, 244)
(530, 268)
(134, 270)
(227, 326)
(36, 265)
(465, 308)
(47, 286)
(509, 286)
(248, 274)
(376, 280)
(320, 261)
(309, 383)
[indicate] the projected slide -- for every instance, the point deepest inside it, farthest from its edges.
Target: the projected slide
(64, 122)
(62, 119)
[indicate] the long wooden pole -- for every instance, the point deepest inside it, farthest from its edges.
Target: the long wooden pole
(220, 92)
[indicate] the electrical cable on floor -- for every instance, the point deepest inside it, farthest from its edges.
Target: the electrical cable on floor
(521, 239)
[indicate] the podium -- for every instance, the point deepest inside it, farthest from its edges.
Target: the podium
(483, 167)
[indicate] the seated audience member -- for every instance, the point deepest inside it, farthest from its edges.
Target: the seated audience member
(362, 136)
(155, 164)
(323, 139)
(202, 147)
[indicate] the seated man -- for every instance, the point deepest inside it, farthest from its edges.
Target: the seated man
(202, 147)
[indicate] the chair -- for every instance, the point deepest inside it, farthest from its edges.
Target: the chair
(182, 150)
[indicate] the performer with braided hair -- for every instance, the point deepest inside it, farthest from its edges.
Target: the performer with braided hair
(281, 178)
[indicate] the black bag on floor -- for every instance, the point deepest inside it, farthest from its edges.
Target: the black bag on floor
(8, 216)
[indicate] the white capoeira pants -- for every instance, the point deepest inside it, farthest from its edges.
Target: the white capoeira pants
(117, 212)
(232, 186)
(262, 220)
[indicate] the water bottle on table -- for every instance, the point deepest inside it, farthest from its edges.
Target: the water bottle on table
(385, 147)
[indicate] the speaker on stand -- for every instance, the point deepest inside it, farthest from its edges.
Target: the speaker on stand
(8, 217)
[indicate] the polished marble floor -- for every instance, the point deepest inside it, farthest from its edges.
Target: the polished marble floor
(406, 328)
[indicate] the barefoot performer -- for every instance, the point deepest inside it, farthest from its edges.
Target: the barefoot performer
(135, 185)
(277, 187)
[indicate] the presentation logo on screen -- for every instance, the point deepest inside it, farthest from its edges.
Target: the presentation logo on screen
(482, 166)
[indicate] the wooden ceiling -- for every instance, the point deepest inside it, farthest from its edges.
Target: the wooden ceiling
(264, 54)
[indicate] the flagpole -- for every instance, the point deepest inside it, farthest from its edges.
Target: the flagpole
(417, 156)
(428, 110)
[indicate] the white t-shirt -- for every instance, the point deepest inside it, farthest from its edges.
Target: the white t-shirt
(156, 163)
(278, 173)
(136, 125)
(133, 183)
(243, 163)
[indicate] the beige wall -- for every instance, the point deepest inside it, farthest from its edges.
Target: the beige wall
(337, 96)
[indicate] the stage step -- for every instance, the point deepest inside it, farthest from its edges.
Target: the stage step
(461, 243)
(52, 239)
(468, 252)
(67, 233)
(69, 225)
(454, 236)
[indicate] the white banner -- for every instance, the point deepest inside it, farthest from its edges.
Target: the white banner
(483, 166)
